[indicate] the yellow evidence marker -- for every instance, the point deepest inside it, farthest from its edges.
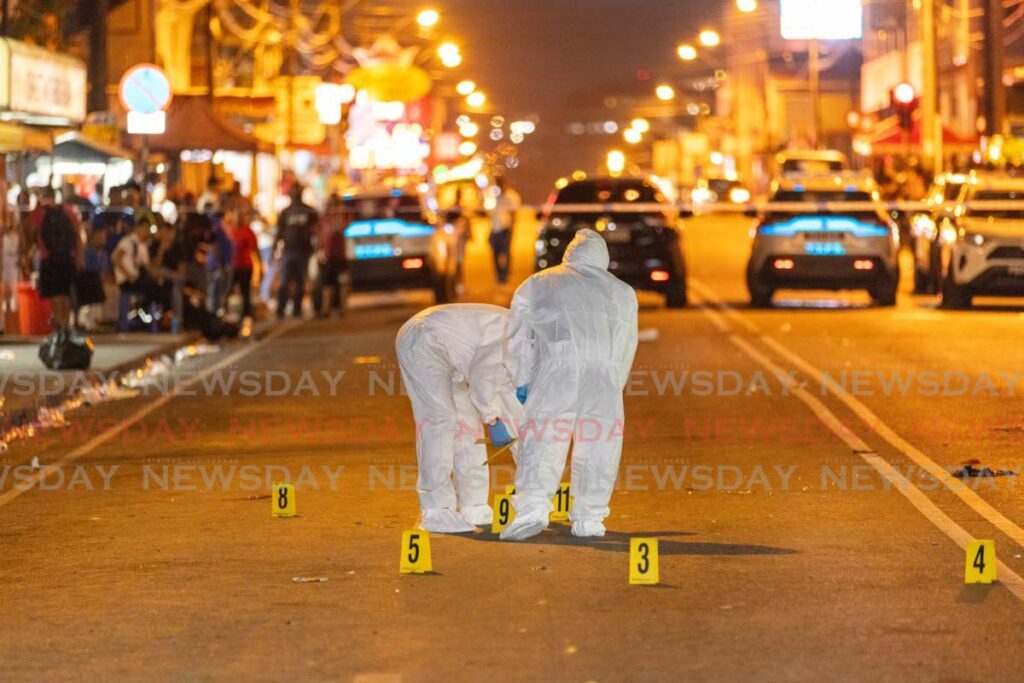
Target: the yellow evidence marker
(282, 499)
(980, 563)
(504, 513)
(643, 561)
(415, 557)
(563, 503)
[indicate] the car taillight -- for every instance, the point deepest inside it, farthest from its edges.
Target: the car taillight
(863, 264)
(659, 275)
(784, 264)
(412, 263)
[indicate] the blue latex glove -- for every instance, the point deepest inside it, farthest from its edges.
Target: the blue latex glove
(521, 393)
(498, 434)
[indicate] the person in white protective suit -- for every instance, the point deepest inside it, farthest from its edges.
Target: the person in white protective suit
(451, 358)
(572, 336)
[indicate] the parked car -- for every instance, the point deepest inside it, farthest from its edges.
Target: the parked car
(642, 229)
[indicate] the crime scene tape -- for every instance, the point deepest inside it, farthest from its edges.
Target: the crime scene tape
(550, 211)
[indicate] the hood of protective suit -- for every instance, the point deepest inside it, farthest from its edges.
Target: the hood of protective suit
(587, 249)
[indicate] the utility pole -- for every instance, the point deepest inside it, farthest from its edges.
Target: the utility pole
(931, 125)
(814, 72)
(995, 94)
(97, 54)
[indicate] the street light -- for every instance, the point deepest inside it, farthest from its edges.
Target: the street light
(633, 136)
(476, 99)
(709, 38)
(686, 52)
(428, 18)
(449, 54)
(469, 129)
(665, 92)
(465, 87)
(616, 162)
(467, 148)
(641, 125)
(746, 5)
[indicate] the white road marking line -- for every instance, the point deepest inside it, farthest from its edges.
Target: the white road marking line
(917, 498)
(142, 412)
(961, 489)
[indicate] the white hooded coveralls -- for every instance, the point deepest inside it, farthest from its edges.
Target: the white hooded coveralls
(451, 362)
(572, 337)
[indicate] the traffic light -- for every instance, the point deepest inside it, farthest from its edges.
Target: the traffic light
(904, 102)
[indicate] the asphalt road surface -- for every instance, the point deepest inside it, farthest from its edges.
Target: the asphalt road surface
(785, 459)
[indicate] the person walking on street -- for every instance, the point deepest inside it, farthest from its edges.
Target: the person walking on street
(503, 218)
(295, 228)
(333, 260)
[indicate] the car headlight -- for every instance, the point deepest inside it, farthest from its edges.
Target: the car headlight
(922, 226)
(700, 195)
(739, 195)
(975, 238)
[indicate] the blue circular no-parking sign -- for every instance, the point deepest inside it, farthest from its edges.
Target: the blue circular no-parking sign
(146, 89)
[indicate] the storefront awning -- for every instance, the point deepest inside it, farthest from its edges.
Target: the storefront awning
(192, 124)
(888, 137)
(77, 148)
(17, 138)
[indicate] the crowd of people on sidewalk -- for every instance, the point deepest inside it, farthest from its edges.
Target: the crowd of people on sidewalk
(126, 267)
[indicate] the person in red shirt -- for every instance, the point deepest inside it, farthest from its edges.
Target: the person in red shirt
(246, 255)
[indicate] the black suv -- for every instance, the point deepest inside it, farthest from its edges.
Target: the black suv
(642, 229)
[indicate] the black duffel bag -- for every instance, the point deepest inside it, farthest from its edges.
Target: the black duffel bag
(66, 350)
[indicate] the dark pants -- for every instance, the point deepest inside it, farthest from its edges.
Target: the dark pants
(243, 278)
(293, 277)
(501, 243)
(329, 279)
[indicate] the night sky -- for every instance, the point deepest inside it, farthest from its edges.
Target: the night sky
(560, 60)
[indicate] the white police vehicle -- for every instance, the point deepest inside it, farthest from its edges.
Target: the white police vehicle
(824, 232)
(982, 243)
(394, 241)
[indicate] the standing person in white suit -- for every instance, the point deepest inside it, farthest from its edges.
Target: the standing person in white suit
(572, 337)
(451, 359)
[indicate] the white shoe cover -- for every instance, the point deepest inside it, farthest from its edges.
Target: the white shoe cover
(445, 521)
(587, 528)
(478, 514)
(525, 526)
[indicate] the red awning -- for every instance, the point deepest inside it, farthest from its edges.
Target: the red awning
(888, 134)
(193, 124)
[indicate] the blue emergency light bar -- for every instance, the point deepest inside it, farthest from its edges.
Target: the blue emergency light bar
(388, 226)
(837, 224)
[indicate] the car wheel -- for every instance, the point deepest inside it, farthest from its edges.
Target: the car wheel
(675, 296)
(954, 296)
(883, 292)
(760, 293)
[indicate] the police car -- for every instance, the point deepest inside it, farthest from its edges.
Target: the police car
(394, 241)
(824, 232)
(982, 243)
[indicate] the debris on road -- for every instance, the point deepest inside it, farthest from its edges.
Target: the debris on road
(309, 579)
(968, 470)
